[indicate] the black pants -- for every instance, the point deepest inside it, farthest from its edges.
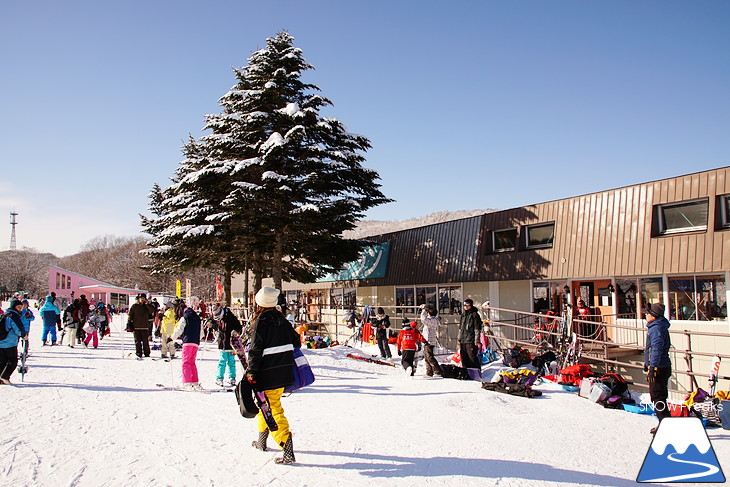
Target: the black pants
(8, 361)
(383, 346)
(658, 392)
(408, 359)
(432, 365)
(142, 342)
(469, 356)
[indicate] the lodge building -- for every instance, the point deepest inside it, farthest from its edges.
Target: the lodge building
(618, 250)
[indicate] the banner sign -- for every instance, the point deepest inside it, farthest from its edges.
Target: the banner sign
(372, 264)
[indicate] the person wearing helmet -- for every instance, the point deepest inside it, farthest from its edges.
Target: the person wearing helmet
(408, 339)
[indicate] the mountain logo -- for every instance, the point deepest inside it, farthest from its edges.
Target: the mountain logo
(681, 452)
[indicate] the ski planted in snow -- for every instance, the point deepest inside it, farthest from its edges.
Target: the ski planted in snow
(370, 359)
(261, 400)
(22, 368)
(714, 374)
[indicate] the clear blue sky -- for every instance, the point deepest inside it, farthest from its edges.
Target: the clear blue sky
(468, 104)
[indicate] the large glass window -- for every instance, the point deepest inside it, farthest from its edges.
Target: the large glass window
(58, 280)
(626, 298)
(651, 291)
(505, 240)
(343, 298)
(540, 236)
(683, 217)
(426, 295)
(450, 299)
(700, 298)
(405, 296)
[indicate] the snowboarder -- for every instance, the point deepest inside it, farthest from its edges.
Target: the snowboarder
(188, 328)
(225, 322)
(431, 323)
(50, 314)
(271, 367)
(9, 345)
(382, 328)
(657, 365)
(408, 339)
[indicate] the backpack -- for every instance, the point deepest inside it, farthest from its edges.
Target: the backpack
(515, 357)
(3, 328)
(616, 384)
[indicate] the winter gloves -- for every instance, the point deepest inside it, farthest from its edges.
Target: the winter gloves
(651, 374)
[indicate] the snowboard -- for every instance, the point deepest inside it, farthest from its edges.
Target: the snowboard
(181, 389)
(259, 397)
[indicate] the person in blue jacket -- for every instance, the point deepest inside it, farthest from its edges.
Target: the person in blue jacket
(9, 345)
(50, 314)
(657, 365)
(26, 316)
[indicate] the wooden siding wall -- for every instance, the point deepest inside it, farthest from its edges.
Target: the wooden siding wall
(610, 234)
(434, 254)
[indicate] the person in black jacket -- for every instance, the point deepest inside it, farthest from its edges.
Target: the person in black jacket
(271, 367)
(469, 329)
(381, 323)
(223, 321)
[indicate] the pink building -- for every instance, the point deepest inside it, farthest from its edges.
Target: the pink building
(69, 285)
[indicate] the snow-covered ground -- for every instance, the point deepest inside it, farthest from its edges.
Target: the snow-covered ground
(86, 417)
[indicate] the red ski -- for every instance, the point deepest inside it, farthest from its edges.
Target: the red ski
(370, 359)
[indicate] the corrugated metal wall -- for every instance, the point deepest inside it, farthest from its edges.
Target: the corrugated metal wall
(610, 234)
(441, 253)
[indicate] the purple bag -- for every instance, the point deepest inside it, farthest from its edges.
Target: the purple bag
(303, 375)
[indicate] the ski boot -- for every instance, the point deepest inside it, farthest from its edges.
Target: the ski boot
(288, 457)
(219, 382)
(232, 381)
(260, 444)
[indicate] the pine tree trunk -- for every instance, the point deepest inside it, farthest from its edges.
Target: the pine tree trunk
(245, 282)
(277, 258)
(227, 278)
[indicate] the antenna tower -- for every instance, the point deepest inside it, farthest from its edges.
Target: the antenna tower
(13, 214)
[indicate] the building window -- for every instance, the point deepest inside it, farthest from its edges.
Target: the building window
(426, 295)
(540, 236)
(58, 280)
(504, 240)
(343, 298)
(651, 290)
(688, 216)
(404, 297)
(700, 298)
(450, 299)
(63, 281)
(626, 298)
(725, 211)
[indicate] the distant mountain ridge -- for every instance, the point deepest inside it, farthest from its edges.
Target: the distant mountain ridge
(368, 228)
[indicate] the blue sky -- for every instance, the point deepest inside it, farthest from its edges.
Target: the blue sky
(468, 104)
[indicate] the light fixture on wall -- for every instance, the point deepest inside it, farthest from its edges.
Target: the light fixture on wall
(611, 288)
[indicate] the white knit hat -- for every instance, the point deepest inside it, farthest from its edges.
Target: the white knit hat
(267, 297)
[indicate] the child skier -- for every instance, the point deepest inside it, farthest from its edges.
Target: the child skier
(167, 326)
(408, 340)
(92, 327)
(188, 328)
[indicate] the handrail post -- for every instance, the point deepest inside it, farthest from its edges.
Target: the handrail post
(688, 358)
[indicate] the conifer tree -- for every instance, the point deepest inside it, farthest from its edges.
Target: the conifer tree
(275, 182)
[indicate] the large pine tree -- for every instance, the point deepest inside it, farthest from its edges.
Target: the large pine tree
(275, 184)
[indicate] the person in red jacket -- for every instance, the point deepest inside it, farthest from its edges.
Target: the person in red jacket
(408, 340)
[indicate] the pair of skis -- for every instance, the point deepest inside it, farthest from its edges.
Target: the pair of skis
(22, 368)
(259, 397)
(370, 359)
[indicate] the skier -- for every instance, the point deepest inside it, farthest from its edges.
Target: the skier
(188, 328)
(271, 367)
(26, 316)
(167, 326)
(104, 319)
(470, 328)
(408, 340)
(71, 321)
(657, 365)
(431, 323)
(50, 314)
(382, 326)
(9, 345)
(92, 327)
